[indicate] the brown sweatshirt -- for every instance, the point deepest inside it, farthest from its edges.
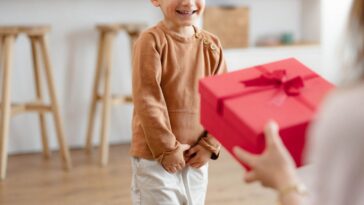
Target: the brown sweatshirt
(166, 71)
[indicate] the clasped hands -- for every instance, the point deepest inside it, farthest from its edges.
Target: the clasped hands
(185, 155)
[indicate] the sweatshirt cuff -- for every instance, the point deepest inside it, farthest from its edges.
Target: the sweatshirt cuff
(212, 145)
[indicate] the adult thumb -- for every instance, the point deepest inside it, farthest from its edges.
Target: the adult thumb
(272, 134)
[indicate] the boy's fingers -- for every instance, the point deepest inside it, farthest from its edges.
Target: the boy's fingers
(182, 164)
(244, 156)
(250, 177)
(195, 160)
(179, 167)
(185, 147)
(187, 159)
(196, 165)
(191, 161)
(191, 151)
(173, 170)
(168, 169)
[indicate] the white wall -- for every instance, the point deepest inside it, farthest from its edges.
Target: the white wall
(269, 16)
(334, 17)
(242, 58)
(311, 20)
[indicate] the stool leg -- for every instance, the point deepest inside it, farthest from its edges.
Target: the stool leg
(1, 48)
(54, 103)
(106, 101)
(37, 79)
(94, 99)
(133, 38)
(7, 52)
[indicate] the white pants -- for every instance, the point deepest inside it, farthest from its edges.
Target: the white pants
(153, 185)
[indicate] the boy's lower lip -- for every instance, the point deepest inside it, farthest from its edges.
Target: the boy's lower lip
(185, 15)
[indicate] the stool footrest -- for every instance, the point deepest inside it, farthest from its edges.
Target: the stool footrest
(117, 99)
(30, 107)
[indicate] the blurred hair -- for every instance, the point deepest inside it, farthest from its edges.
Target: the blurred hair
(354, 45)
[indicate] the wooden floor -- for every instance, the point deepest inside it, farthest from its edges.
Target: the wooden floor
(32, 180)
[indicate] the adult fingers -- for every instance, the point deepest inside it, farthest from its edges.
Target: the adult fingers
(271, 132)
(250, 177)
(244, 156)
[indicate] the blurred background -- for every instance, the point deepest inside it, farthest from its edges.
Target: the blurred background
(252, 32)
(256, 32)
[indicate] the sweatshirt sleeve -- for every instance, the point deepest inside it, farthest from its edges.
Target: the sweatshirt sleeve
(148, 98)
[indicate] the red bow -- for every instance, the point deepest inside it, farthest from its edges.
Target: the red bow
(278, 78)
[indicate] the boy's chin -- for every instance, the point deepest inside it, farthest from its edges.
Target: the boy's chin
(188, 23)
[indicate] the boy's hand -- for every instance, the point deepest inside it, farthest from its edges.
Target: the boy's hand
(197, 156)
(175, 161)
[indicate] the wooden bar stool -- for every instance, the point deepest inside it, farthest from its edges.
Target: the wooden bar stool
(39, 47)
(107, 36)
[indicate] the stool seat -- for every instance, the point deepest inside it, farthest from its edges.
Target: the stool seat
(26, 29)
(9, 30)
(108, 27)
(35, 30)
(133, 28)
(130, 28)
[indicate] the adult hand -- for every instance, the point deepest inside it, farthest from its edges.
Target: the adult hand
(274, 168)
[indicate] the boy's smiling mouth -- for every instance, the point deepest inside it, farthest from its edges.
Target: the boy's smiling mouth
(186, 12)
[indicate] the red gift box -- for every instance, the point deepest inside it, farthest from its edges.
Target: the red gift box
(236, 106)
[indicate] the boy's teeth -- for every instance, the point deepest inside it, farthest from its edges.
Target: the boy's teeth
(185, 12)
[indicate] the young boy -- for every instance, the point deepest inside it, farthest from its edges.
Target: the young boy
(169, 149)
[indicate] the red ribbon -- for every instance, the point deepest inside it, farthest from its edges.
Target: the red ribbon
(277, 78)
